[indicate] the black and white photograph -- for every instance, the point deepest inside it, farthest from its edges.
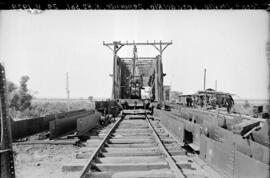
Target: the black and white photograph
(134, 93)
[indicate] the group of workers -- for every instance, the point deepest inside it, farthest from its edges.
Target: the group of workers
(210, 101)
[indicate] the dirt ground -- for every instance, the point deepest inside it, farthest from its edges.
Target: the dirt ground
(42, 160)
(47, 160)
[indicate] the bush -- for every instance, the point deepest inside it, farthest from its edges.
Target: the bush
(19, 98)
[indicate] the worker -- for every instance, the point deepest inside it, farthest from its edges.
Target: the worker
(213, 101)
(190, 101)
(231, 99)
(219, 101)
(207, 100)
(229, 103)
(201, 101)
(197, 100)
(223, 101)
(194, 101)
(187, 101)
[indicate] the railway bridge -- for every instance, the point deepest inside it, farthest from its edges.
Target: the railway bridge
(130, 136)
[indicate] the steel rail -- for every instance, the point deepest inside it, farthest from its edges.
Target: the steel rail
(87, 167)
(176, 171)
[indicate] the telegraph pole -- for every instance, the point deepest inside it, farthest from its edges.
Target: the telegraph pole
(204, 79)
(216, 85)
(67, 89)
(204, 86)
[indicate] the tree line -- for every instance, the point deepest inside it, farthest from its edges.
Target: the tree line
(22, 106)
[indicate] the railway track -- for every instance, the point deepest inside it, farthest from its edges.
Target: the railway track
(135, 147)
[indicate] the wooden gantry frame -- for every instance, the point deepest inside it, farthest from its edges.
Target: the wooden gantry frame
(115, 46)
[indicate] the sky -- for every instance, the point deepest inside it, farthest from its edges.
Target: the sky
(230, 44)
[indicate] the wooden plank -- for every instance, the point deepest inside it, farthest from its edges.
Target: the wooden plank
(127, 150)
(131, 145)
(201, 173)
(132, 134)
(51, 142)
(83, 155)
(114, 140)
(133, 128)
(181, 158)
(119, 136)
(93, 143)
(163, 135)
(196, 176)
(96, 137)
(73, 166)
(168, 141)
(163, 173)
(133, 125)
(177, 152)
(173, 146)
(130, 159)
(133, 154)
(126, 126)
(130, 166)
(87, 155)
(195, 147)
(139, 126)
